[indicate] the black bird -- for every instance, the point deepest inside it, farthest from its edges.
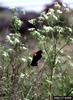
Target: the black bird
(36, 56)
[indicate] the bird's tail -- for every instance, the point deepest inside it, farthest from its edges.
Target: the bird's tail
(34, 64)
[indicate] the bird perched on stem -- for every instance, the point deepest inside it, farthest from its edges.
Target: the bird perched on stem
(36, 57)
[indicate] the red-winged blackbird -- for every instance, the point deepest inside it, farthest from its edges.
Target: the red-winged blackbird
(36, 56)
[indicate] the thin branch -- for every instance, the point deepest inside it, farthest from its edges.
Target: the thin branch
(29, 92)
(61, 48)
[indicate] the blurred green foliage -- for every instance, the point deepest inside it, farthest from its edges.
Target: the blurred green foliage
(18, 79)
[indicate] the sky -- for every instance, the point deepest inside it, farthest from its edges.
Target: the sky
(34, 5)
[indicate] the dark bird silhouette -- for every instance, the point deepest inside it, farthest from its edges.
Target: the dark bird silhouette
(36, 56)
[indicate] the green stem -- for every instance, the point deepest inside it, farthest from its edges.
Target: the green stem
(50, 88)
(29, 92)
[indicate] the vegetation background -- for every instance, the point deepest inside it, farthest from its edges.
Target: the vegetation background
(52, 32)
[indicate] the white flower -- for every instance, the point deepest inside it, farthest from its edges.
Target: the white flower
(31, 21)
(37, 33)
(72, 92)
(69, 56)
(51, 10)
(24, 48)
(48, 28)
(19, 22)
(59, 11)
(67, 9)
(5, 54)
(44, 15)
(31, 29)
(57, 5)
(8, 37)
(30, 58)
(49, 13)
(22, 75)
(23, 59)
(70, 29)
(17, 40)
(11, 34)
(71, 40)
(55, 17)
(62, 51)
